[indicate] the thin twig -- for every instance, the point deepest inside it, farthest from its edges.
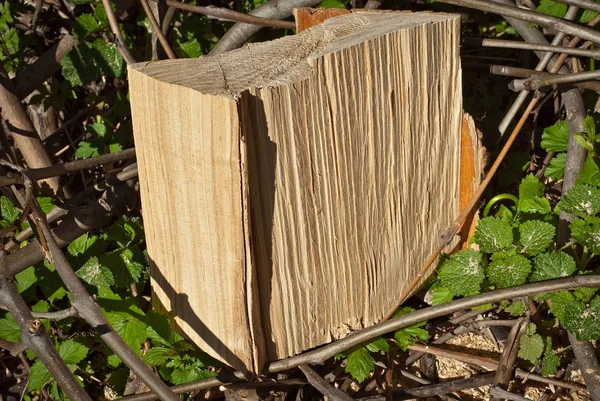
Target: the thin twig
(458, 331)
(544, 61)
(157, 30)
(584, 4)
(513, 44)
(58, 315)
(114, 26)
(332, 393)
(538, 82)
(544, 20)
(241, 32)
(502, 394)
(492, 364)
(367, 334)
(506, 365)
(225, 14)
(509, 71)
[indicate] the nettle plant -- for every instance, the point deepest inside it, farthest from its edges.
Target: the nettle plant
(516, 246)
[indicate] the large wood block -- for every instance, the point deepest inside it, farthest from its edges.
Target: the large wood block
(292, 189)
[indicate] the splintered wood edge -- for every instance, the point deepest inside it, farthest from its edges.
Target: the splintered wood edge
(472, 153)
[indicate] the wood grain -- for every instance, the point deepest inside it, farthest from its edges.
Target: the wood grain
(291, 189)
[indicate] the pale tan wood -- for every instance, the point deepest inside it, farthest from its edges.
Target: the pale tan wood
(291, 189)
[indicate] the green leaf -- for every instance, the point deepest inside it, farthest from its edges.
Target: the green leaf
(530, 187)
(411, 335)
(39, 377)
(551, 361)
(440, 294)
(582, 200)
(535, 205)
(86, 24)
(531, 348)
(493, 235)
(590, 127)
(552, 8)
(584, 142)
(508, 270)
(46, 203)
(360, 364)
(589, 174)
(333, 4)
(9, 211)
(26, 279)
(462, 273)
(556, 168)
(587, 233)
(536, 236)
(72, 352)
(88, 149)
(131, 329)
(191, 48)
(587, 16)
(87, 62)
(156, 356)
(378, 345)
(516, 308)
(189, 373)
(547, 266)
(80, 245)
(96, 274)
(556, 137)
(9, 329)
(558, 302)
(160, 331)
(582, 321)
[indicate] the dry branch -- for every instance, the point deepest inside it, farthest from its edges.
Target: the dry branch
(241, 32)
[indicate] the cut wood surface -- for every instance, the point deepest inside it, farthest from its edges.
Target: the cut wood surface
(292, 189)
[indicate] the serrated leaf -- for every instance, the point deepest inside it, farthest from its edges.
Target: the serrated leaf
(191, 48)
(589, 174)
(508, 270)
(552, 8)
(551, 361)
(88, 62)
(556, 137)
(530, 187)
(548, 266)
(516, 308)
(96, 274)
(558, 302)
(535, 205)
(89, 149)
(493, 235)
(582, 200)
(462, 273)
(9, 212)
(587, 233)
(9, 329)
(440, 295)
(46, 203)
(131, 329)
(531, 348)
(410, 336)
(187, 374)
(72, 352)
(556, 168)
(582, 321)
(536, 236)
(39, 376)
(156, 356)
(80, 245)
(360, 364)
(378, 345)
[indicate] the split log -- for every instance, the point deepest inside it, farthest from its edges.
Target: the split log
(292, 189)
